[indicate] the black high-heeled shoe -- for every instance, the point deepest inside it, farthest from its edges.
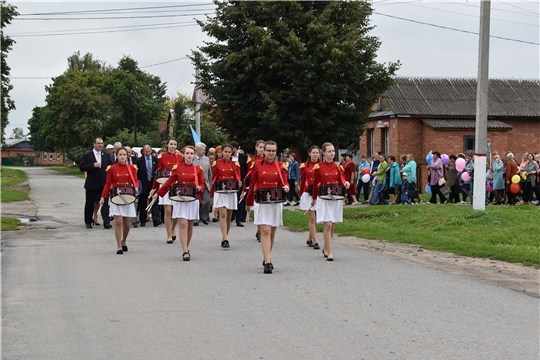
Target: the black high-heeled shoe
(119, 252)
(225, 244)
(124, 248)
(271, 265)
(188, 256)
(325, 255)
(95, 223)
(316, 246)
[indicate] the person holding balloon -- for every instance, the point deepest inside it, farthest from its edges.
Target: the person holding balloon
(531, 168)
(453, 179)
(363, 186)
(511, 178)
(436, 172)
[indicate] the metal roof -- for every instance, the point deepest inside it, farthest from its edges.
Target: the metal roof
(457, 97)
(464, 124)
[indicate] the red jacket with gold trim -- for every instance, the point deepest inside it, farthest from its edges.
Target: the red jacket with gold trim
(307, 175)
(187, 174)
(266, 175)
(327, 173)
(224, 170)
(167, 161)
(118, 174)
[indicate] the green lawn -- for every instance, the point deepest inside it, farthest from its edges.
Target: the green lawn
(500, 232)
(9, 224)
(10, 178)
(71, 170)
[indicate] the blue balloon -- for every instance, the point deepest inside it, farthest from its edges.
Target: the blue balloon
(428, 189)
(429, 157)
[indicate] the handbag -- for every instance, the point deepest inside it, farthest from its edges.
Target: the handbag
(445, 190)
(441, 181)
(413, 194)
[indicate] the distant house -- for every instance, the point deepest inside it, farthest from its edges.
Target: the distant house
(421, 114)
(24, 147)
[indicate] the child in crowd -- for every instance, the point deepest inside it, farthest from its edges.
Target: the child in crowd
(405, 190)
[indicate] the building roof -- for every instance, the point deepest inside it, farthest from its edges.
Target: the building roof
(441, 124)
(457, 97)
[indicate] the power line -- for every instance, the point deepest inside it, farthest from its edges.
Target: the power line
(123, 9)
(165, 62)
(117, 17)
(454, 29)
(517, 7)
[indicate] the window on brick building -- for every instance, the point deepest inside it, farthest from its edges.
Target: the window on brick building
(385, 140)
(468, 143)
(57, 156)
(50, 156)
(44, 155)
(370, 142)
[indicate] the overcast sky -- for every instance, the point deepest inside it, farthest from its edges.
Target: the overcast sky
(430, 38)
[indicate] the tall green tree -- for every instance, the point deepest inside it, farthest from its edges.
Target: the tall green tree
(298, 72)
(8, 13)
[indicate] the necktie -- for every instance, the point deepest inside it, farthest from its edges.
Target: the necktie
(98, 157)
(149, 168)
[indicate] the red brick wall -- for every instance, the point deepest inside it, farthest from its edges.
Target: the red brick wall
(412, 136)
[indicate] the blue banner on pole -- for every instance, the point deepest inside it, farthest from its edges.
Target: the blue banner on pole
(196, 138)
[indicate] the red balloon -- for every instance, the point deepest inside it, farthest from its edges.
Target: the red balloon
(514, 188)
(365, 171)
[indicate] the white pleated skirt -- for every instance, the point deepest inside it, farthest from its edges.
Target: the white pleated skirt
(305, 201)
(269, 214)
(329, 210)
(188, 210)
(164, 200)
(227, 200)
(122, 210)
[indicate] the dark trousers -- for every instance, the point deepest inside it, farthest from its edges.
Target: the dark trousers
(362, 186)
(292, 190)
(454, 194)
(91, 197)
(436, 190)
(143, 203)
(240, 214)
(529, 190)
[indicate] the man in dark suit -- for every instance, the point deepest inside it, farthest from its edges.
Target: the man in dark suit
(95, 163)
(240, 214)
(147, 165)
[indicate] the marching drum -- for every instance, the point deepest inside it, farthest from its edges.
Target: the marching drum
(162, 175)
(123, 195)
(332, 192)
(182, 193)
(226, 186)
(270, 196)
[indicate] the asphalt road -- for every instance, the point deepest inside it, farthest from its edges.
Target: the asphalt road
(67, 295)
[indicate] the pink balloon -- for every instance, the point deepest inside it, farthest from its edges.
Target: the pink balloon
(489, 186)
(459, 168)
(460, 163)
(466, 176)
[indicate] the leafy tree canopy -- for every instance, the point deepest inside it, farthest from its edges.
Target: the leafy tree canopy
(7, 15)
(18, 133)
(298, 72)
(92, 99)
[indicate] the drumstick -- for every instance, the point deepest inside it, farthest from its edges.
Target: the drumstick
(149, 207)
(311, 207)
(241, 197)
(247, 221)
(99, 209)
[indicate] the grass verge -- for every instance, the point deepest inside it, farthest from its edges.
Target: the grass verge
(9, 224)
(11, 178)
(503, 233)
(71, 170)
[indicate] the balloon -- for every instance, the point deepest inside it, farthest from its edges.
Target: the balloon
(429, 157)
(460, 164)
(515, 179)
(514, 188)
(465, 176)
(428, 189)
(365, 178)
(489, 185)
(365, 171)
(524, 176)
(445, 159)
(459, 168)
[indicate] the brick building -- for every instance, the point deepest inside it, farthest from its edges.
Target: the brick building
(421, 114)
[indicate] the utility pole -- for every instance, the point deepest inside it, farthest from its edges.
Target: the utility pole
(134, 116)
(479, 188)
(197, 107)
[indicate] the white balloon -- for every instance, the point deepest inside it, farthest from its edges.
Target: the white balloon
(365, 178)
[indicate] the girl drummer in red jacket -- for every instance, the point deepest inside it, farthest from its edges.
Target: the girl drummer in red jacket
(225, 172)
(119, 175)
(168, 162)
(329, 212)
(190, 178)
(307, 176)
(259, 149)
(270, 177)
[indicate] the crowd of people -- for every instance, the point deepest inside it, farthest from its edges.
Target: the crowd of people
(389, 182)
(183, 188)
